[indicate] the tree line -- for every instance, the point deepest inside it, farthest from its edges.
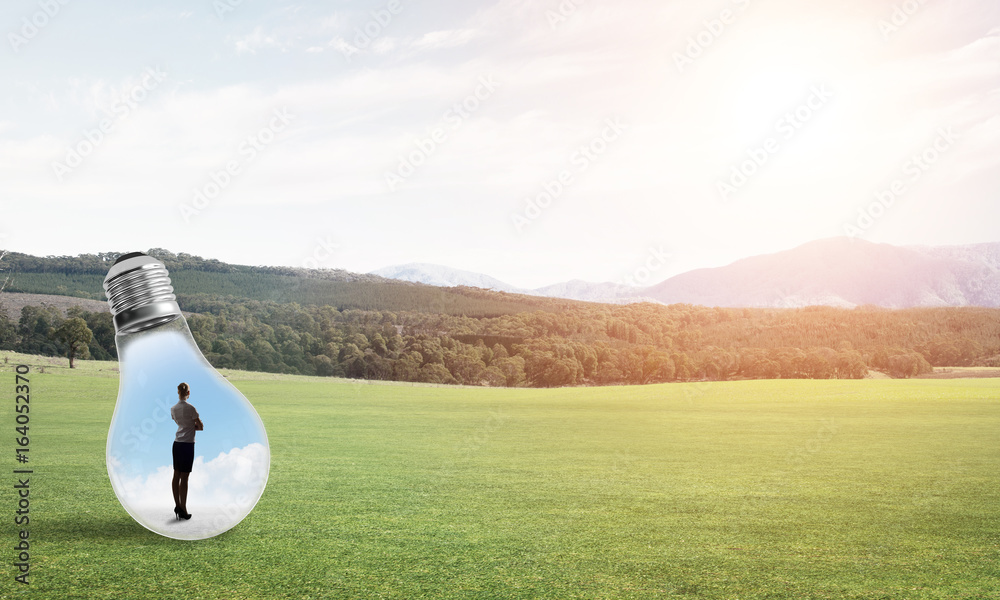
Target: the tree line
(582, 344)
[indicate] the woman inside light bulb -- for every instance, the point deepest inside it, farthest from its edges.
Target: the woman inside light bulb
(186, 417)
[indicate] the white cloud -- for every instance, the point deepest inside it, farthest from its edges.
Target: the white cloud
(446, 39)
(250, 43)
(384, 45)
(341, 45)
(332, 22)
(232, 479)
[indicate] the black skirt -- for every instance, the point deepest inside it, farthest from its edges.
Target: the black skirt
(183, 456)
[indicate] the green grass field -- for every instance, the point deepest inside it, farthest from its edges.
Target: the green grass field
(759, 489)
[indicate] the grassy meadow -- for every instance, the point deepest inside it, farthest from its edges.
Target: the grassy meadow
(733, 490)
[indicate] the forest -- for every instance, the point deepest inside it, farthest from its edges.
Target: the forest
(476, 337)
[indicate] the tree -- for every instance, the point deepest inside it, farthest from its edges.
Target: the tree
(608, 373)
(817, 366)
(34, 330)
(324, 366)
(712, 371)
(75, 334)
(512, 369)
(8, 332)
(352, 361)
(435, 373)
(467, 368)
(909, 364)
(494, 377)
(850, 365)
(407, 367)
(561, 372)
(656, 366)
(102, 347)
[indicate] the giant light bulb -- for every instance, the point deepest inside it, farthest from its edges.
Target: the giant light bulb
(156, 353)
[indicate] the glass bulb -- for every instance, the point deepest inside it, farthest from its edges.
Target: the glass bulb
(156, 353)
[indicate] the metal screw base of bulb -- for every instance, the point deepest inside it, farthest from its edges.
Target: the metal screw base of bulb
(140, 293)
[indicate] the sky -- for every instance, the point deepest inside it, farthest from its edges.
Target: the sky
(536, 142)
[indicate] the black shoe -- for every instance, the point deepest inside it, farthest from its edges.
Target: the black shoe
(177, 512)
(183, 514)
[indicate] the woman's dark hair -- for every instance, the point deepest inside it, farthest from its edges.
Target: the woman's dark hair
(183, 390)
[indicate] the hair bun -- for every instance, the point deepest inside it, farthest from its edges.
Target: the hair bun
(183, 388)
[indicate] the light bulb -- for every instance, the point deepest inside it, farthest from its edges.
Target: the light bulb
(156, 353)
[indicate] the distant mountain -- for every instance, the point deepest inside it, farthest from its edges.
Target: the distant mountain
(442, 276)
(845, 272)
(984, 254)
(439, 275)
(833, 272)
(610, 293)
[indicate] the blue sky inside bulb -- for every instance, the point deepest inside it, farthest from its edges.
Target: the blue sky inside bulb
(232, 457)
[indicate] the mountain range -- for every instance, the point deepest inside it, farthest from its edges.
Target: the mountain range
(614, 293)
(841, 272)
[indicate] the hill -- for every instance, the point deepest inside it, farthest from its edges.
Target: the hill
(12, 303)
(846, 273)
(194, 277)
(834, 272)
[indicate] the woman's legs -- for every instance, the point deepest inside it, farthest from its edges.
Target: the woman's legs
(175, 486)
(183, 458)
(182, 490)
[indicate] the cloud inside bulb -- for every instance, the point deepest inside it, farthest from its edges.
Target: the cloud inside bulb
(231, 479)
